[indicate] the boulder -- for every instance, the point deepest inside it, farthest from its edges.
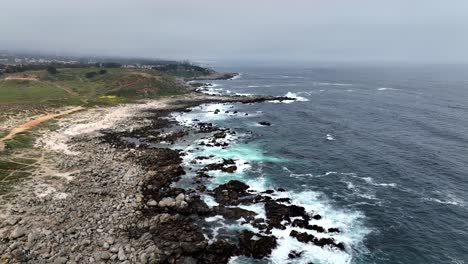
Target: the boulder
(220, 134)
(256, 245)
(231, 192)
(277, 213)
(167, 202)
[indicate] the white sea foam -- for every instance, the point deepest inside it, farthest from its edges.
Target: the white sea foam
(370, 181)
(330, 137)
(238, 76)
(332, 84)
(311, 175)
(297, 98)
(386, 88)
(449, 199)
(214, 218)
(349, 222)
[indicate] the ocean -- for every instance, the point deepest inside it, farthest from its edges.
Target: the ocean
(381, 152)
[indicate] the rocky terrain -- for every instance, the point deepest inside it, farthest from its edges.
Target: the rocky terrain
(112, 199)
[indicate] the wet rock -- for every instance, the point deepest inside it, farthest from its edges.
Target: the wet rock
(284, 200)
(227, 165)
(233, 193)
(321, 242)
(264, 123)
(233, 213)
(256, 245)
(276, 213)
(317, 217)
(230, 169)
(219, 252)
(259, 223)
(220, 134)
(294, 254)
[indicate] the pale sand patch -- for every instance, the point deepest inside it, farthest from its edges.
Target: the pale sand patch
(21, 78)
(92, 121)
(30, 124)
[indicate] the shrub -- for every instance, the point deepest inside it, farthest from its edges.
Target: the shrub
(90, 75)
(51, 70)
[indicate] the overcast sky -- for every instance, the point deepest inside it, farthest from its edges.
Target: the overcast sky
(293, 30)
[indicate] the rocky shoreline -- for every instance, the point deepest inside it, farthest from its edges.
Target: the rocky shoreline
(120, 201)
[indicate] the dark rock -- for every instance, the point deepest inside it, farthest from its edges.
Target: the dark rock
(294, 254)
(256, 245)
(234, 193)
(317, 217)
(234, 213)
(259, 223)
(223, 166)
(264, 123)
(230, 169)
(283, 200)
(218, 253)
(220, 134)
(277, 212)
(316, 228)
(321, 242)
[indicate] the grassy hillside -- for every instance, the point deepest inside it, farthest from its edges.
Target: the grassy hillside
(85, 86)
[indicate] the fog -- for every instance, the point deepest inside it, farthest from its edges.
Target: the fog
(260, 30)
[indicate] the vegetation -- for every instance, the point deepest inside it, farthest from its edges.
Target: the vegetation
(15, 163)
(183, 69)
(52, 70)
(71, 86)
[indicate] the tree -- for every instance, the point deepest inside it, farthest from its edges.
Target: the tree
(90, 75)
(52, 70)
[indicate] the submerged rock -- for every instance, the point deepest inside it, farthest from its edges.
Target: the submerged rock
(264, 123)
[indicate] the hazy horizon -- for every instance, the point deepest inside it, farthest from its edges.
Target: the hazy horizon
(212, 31)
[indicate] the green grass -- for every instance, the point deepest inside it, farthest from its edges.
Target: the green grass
(20, 141)
(14, 167)
(31, 92)
(72, 87)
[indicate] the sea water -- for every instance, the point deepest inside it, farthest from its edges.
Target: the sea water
(380, 152)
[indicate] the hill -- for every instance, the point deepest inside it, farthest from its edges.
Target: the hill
(77, 86)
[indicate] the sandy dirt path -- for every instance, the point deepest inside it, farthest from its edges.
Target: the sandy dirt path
(30, 124)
